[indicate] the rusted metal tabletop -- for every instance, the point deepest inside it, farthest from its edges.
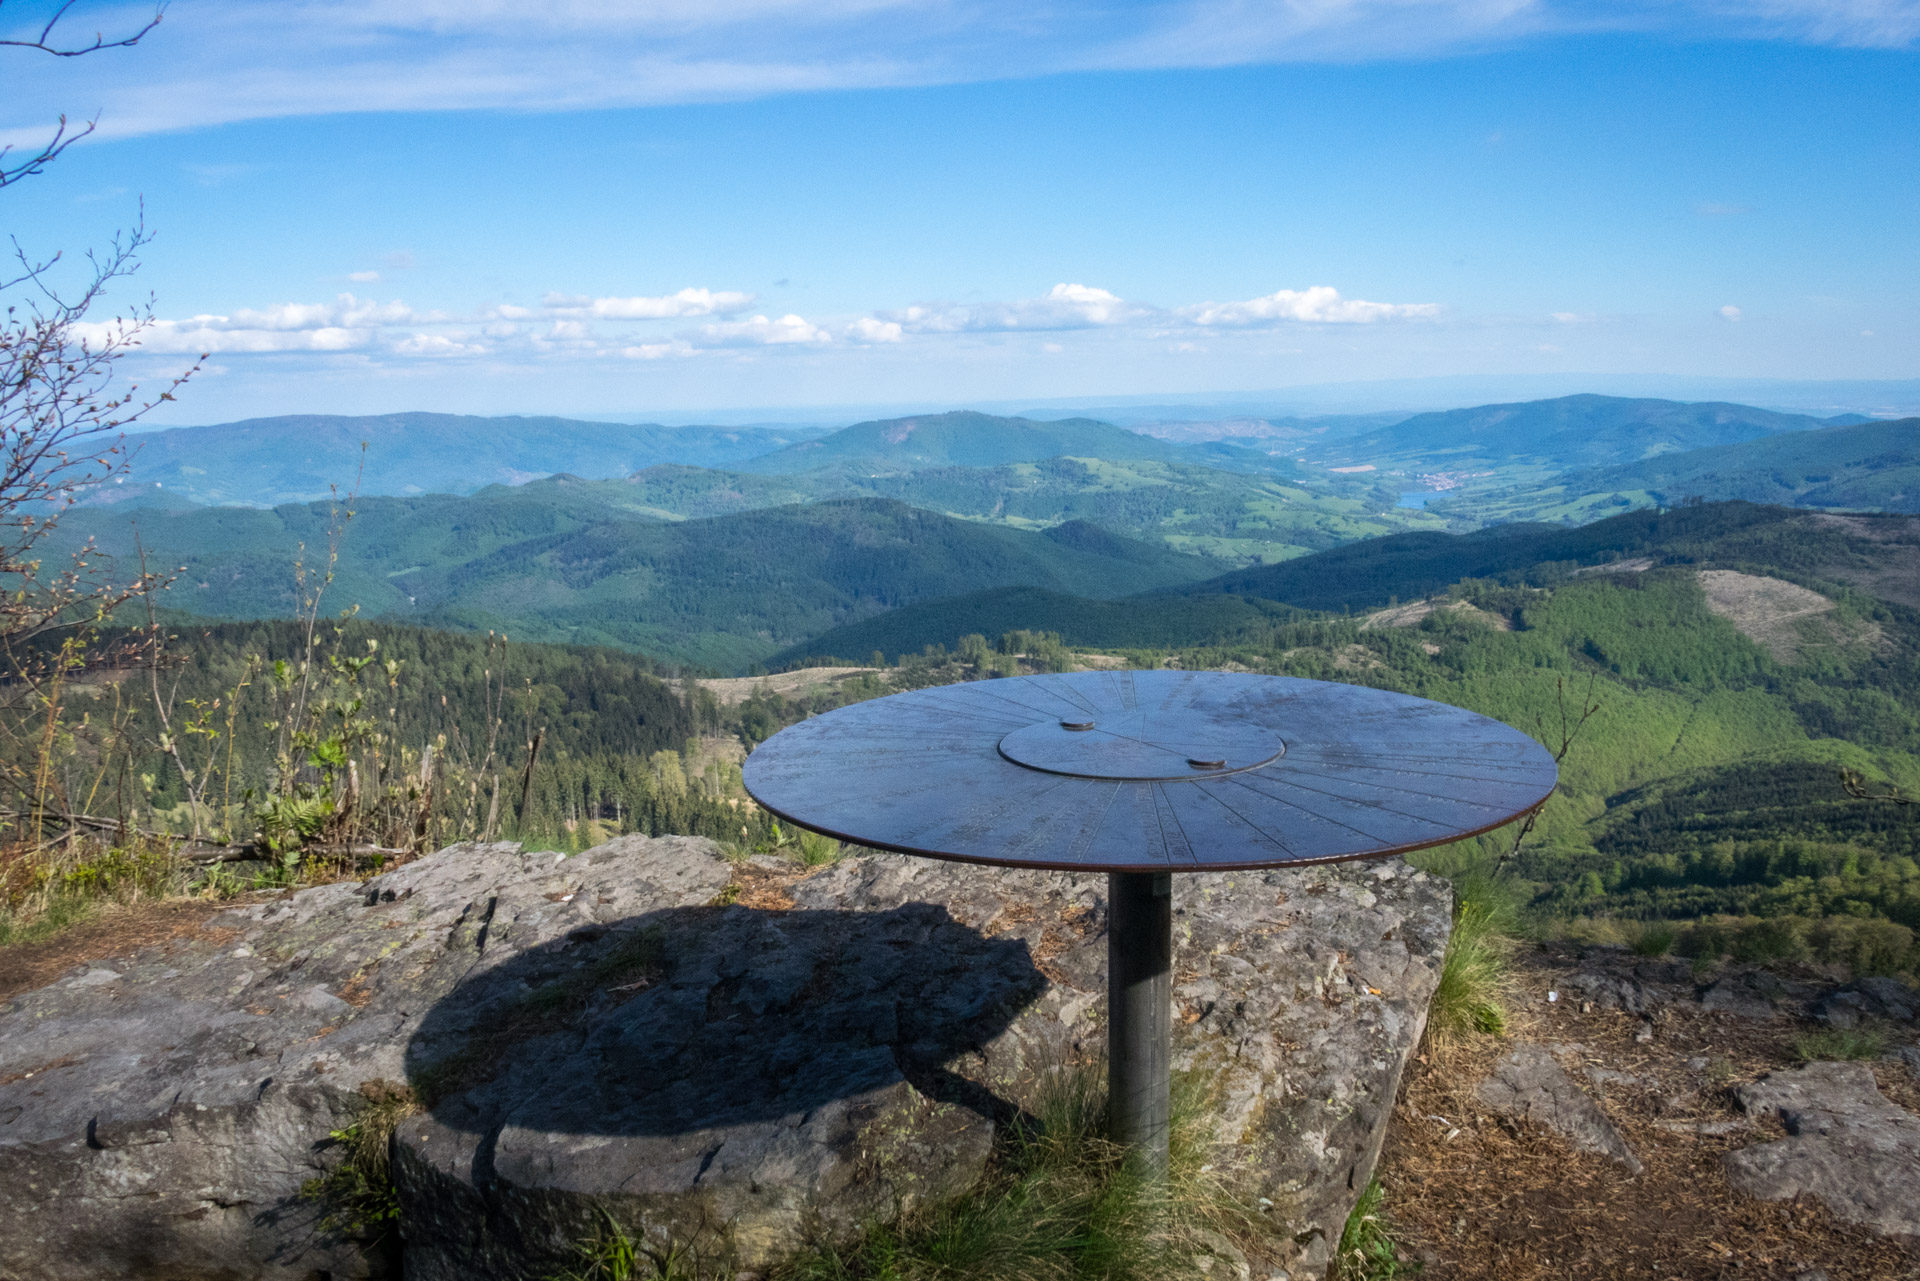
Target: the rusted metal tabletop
(1140, 775)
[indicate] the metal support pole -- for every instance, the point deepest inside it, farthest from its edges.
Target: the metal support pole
(1140, 1014)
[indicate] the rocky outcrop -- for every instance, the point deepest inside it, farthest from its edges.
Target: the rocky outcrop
(1847, 1145)
(1875, 997)
(1529, 1083)
(613, 1034)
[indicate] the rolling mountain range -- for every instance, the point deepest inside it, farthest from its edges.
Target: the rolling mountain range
(298, 457)
(721, 593)
(794, 539)
(962, 440)
(1871, 466)
(1877, 555)
(1235, 517)
(1567, 432)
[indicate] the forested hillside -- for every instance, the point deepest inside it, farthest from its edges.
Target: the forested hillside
(1740, 659)
(721, 593)
(1236, 517)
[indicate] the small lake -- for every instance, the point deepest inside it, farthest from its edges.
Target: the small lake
(1420, 498)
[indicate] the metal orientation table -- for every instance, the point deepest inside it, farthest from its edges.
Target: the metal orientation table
(1140, 775)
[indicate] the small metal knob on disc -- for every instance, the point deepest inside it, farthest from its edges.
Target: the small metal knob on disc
(1076, 726)
(1197, 763)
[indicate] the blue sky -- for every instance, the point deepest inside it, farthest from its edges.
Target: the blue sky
(632, 207)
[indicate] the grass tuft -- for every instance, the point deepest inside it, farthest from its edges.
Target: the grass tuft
(357, 1194)
(1367, 1248)
(1839, 1043)
(1060, 1201)
(1473, 973)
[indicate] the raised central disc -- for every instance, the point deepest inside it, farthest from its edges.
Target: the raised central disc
(1142, 746)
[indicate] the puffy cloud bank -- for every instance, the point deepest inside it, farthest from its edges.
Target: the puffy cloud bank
(641, 327)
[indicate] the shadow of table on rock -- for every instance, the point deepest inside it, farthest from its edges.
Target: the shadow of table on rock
(724, 1055)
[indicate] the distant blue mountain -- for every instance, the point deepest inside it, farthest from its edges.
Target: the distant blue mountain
(262, 462)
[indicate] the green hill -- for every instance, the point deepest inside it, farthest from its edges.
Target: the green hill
(1876, 554)
(961, 439)
(1230, 516)
(724, 592)
(1873, 465)
(1408, 567)
(262, 462)
(1567, 432)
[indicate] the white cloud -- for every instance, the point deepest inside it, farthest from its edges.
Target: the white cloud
(436, 345)
(215, 334)
(1730, 312)
(868, 330)
(758, 331)
(363, 277)
(1065, 306)
(685, 303)
(1319, 305)
(345, 310)
(659, 350)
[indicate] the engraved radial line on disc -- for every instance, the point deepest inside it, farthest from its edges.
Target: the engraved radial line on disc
(1205, 790)
(1399, 791)
(1068, 694)
(1374, 806)
(975, 693)
(1301, 757)
(1243, 780)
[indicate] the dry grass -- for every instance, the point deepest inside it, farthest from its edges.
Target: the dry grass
(109, 932)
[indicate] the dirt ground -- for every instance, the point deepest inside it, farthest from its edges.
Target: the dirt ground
(108, 933)
(1766, 610)
(1473, 1196)
(804, 680)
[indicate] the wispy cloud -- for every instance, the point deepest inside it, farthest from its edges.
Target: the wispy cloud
(217, 61)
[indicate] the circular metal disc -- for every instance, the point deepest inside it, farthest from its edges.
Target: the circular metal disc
(1178, 771)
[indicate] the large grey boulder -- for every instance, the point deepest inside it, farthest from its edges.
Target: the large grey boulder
(1847, 1145)
(158, 1117)
(1529, 1083)
(603, 1035)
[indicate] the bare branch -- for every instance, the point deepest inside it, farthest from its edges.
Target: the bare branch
(64, 134)
(1570, 727)
(45, 41)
